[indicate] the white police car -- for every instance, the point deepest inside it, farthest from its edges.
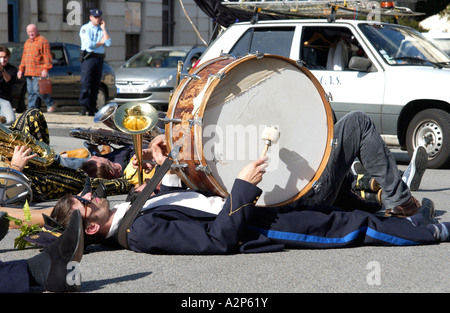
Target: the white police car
(386, 70)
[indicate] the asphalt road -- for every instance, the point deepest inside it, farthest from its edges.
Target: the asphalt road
(355, 270)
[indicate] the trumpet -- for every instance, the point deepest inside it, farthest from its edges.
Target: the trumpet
(106, 116)
(136, 118)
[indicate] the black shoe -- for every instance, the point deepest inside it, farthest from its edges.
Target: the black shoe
(351, 200)
(366, 182)
(83, 111)
(428, 213)
(4, 225)
(369, 195)
(92, 113)
(101, 191)
(87, 187)
(57, 268)
(358, 168)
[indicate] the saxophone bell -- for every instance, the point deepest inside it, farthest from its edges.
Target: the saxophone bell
(106, 115)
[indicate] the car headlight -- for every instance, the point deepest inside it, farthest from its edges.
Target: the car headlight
(163, 82)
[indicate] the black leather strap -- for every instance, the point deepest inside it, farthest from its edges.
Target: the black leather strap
(136, 206)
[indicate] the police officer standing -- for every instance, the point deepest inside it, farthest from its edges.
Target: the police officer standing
(94, 37)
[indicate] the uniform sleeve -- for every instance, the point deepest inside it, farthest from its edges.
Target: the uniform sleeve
(108, 42)
(163, 231)
(85, 37)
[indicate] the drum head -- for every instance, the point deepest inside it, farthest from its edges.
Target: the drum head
(256, 94)
(14, 187)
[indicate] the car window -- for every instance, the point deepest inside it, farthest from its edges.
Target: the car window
(156, 59)
(73, 55)
(329, 48)
(16, 55)
(193, 61)
(58, 58)
(266, 40)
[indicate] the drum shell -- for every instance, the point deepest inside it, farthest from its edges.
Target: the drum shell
(193, 97)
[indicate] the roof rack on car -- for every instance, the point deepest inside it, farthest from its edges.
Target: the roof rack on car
(320, 9)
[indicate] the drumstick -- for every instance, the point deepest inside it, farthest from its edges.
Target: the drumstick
(270, 136)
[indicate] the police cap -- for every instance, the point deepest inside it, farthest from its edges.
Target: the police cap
(95, 12)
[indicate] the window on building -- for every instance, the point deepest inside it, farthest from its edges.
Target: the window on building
(131, 44)
(89, 5)
(42, 10)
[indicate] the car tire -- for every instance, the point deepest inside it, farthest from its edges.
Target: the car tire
(102, 98)
(431, 128)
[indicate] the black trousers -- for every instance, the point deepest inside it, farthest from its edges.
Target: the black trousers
(91, 75)
(14, 277)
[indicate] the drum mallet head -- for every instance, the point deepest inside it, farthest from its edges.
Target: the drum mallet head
(270, 135)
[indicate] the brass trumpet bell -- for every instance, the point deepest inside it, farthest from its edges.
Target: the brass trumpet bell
(136, 118)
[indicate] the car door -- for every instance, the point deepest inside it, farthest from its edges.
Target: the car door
(327, 51)
(61, 76)
(73, 56)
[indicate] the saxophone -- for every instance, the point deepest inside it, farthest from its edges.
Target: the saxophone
(9, 139)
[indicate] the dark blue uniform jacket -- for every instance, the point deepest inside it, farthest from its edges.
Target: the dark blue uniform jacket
(180, 230)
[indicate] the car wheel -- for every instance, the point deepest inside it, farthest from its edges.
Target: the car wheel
(431, 129)
(101, 98)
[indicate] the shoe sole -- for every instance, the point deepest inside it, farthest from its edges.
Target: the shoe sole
(420, 165)
(77, 256)
(358, 168)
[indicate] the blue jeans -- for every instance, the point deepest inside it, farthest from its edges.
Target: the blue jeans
(33, 93)
(356, 137)
(74, 163)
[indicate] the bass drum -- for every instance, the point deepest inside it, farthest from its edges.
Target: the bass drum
(218, 114)
(15, 187)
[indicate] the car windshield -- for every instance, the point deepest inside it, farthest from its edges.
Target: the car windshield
(403, 46)
(156, 58)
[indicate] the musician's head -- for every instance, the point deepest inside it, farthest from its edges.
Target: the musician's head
(95, 212)
(100, 167)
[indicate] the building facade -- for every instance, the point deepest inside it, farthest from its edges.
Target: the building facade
(132, 25)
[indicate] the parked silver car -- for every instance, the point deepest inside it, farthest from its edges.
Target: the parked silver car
(150, 75)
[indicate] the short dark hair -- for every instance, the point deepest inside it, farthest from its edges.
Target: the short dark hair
(62, 210)
(6, 50)
(98, 171)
